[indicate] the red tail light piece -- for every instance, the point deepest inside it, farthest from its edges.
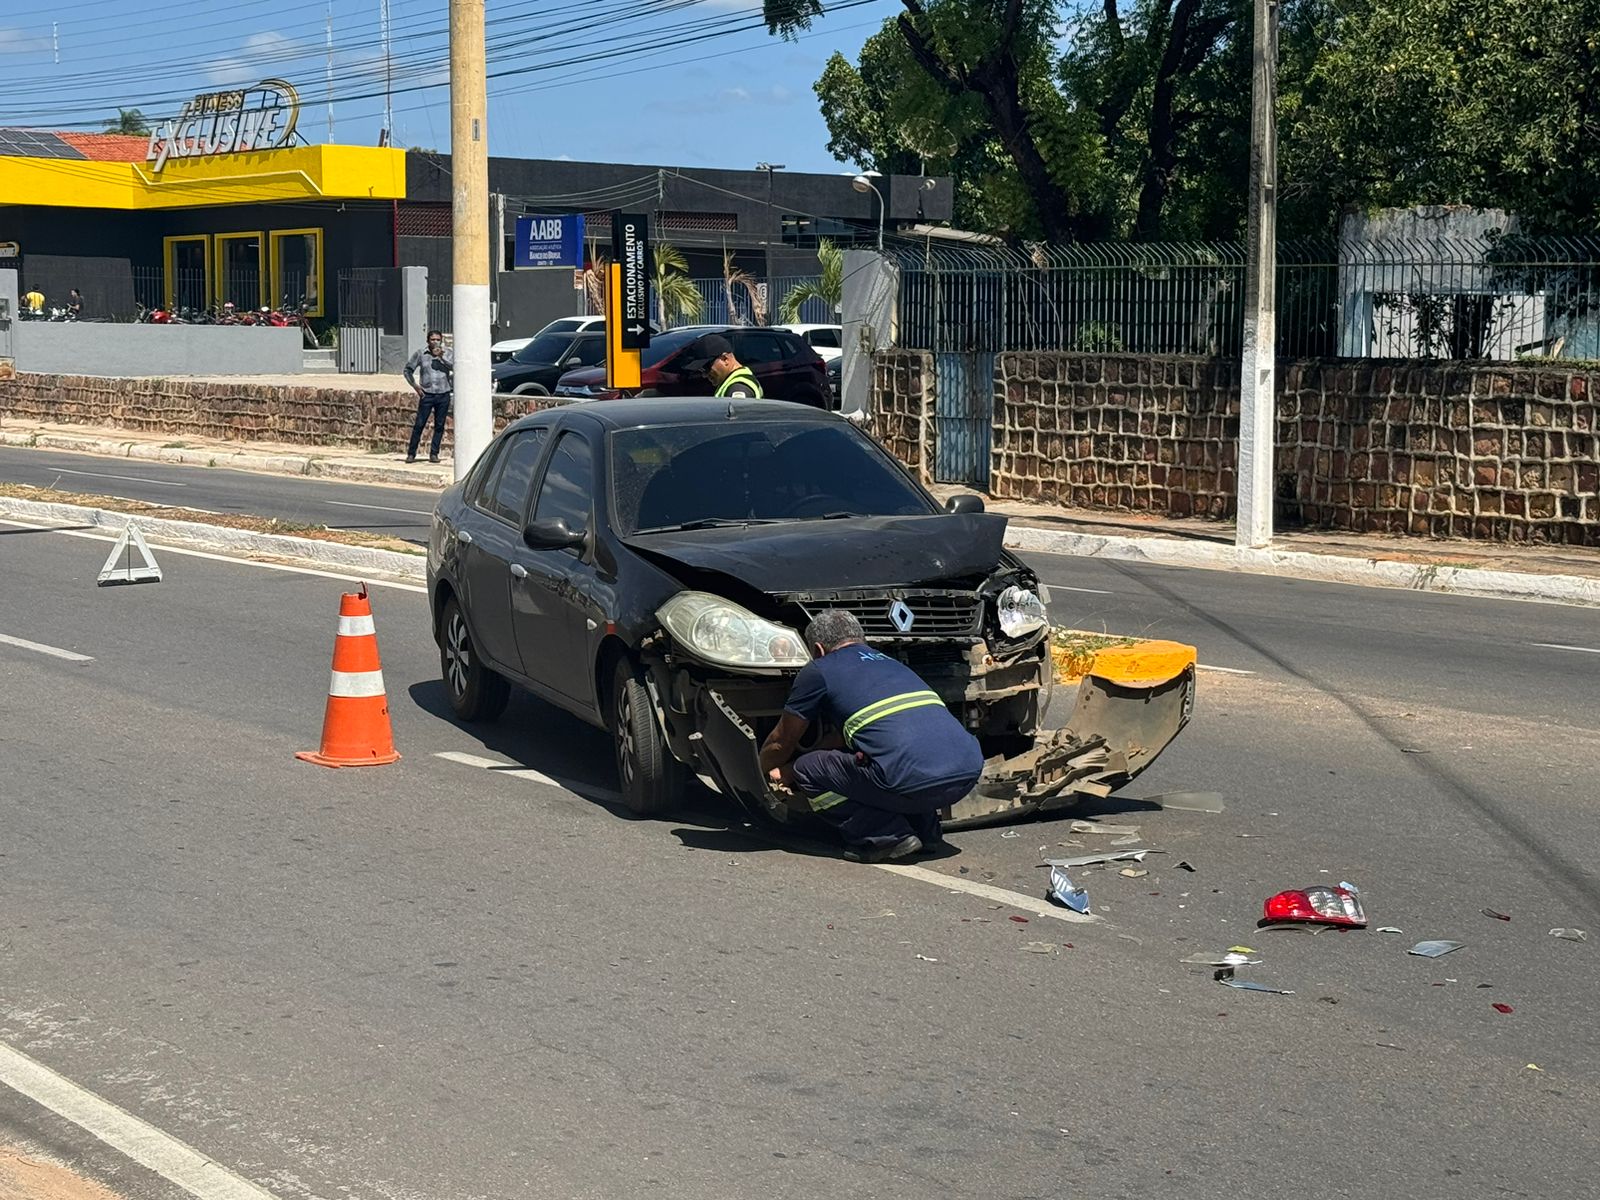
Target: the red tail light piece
(1322, 905)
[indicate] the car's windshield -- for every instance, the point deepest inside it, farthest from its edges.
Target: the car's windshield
(546, 348)
(564, 325)
(669, 477)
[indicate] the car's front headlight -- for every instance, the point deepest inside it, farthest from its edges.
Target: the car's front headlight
(1020, 612)
(721, 631)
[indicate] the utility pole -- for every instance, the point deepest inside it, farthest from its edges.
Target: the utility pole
(388, 67)
(1258, 419)
(769, 168)
(330, 72)
(469, 171)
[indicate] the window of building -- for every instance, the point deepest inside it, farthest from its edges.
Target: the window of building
(701, 222)
(798, 230)
(297, 269)
(187, 267)
(241, 270)
(422, 218)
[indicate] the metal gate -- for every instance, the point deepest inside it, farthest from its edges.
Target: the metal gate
(359, 323)
(963, 416)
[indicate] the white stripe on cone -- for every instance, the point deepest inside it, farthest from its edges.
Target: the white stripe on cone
(356, 626)
(356, 683)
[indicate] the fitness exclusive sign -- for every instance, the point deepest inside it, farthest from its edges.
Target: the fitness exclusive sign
(261, 117)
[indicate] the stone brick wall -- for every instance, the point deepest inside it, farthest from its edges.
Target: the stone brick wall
(1446, 449)
(298, 414)
(902, 407)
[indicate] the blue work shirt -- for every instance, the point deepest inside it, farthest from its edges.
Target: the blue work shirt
(890, 715)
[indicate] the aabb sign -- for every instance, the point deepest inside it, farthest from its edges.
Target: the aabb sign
(549, 242)
(215, 123)
(630, 242)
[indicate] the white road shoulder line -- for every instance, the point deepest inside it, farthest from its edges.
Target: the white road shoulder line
(25, 644)
(954, 883)
(1061, 587)
(227, 558)
(122, 1131)
(1559, 646)
(1223, 670)
(128, 478)
(380, 508)
(512, 771)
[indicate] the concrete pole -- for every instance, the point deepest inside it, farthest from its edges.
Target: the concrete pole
(469, 172)
(1258, 372)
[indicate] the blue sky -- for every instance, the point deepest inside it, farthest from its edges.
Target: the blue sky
(728, 101)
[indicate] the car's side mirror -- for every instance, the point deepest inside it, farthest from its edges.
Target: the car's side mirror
(550, 533)
(964, 502)
(573, 362)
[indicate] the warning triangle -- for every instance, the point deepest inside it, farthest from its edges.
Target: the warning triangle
(120, 566)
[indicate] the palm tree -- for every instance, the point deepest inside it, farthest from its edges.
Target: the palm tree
(594, 284)
(676, 296)
(829, 287)
(737, 277)
(129, 121)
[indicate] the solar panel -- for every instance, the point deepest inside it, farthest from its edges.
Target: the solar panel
(31, 143)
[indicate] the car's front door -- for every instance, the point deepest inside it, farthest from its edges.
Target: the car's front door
(548, 600)
(490, 539)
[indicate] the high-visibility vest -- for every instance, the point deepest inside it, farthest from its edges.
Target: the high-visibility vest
(741, 375)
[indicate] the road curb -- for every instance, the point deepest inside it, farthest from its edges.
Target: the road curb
(310, 465)
(219, 539)
(1325, 568)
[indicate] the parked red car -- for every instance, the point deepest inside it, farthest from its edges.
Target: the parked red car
(787, 368)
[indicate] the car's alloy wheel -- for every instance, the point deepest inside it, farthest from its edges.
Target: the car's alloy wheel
(652, 780)
(476, 693)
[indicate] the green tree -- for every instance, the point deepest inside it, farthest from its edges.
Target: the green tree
(677, 299)
(828, 287)
(129, 121)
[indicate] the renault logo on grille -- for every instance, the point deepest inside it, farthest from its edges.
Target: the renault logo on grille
(902, 617)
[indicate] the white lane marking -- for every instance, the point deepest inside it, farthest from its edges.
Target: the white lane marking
(380, 507)
(146, 1145)
(1559, 646)
(128, 478)
(1223, 670)
(1061, 587)
(513, 771)
(954, 883)
(25, 644)
(225, 558)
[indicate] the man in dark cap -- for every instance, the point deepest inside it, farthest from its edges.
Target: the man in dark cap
(712, 356)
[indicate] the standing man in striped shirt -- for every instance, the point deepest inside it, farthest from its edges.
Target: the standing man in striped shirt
(904, 755)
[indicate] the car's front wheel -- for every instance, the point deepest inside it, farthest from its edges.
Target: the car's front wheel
(652, 780)
(476, 692)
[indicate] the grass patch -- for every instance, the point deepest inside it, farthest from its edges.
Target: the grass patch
(319, 533)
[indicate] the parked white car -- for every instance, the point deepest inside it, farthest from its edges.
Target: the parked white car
(826, 340)
(501, 351)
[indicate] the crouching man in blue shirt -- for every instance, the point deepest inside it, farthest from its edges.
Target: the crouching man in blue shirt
(904, 758)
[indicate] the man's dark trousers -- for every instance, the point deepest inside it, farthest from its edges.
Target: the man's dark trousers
(849, 794)
(437, 403)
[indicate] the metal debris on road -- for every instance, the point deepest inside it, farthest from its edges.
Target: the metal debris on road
(1498, 916)
(1089, 860)
(1201, 802)
(1504, 1009)
(1226, 979)
(1433, 949)
(1570, 935)
(1063, 891)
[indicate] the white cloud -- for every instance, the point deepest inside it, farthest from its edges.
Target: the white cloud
(776, 96)
(261, 54)
(18, 41)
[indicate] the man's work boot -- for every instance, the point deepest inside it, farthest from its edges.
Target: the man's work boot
(867, 852)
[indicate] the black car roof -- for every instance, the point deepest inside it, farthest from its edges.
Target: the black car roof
(684, 410)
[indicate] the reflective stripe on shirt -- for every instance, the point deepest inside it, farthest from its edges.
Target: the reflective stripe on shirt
(887, 707)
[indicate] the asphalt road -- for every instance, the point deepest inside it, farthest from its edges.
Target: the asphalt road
(400, 512)
(433, 979)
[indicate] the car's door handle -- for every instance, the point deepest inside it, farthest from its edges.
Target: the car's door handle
(463, 537)
(518, 571)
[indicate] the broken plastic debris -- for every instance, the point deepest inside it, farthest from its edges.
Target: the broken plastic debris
(1125, 841)
(1318, 905)
(1100, 827)
(1202, 802)
(1133, 872)
(1064, 891)
(925, 958)
(1183, 865)
(1390, 929)
(1226, 979)
(1571, 935)
(1038, 947)
(1534, 1067)
(1498, 916)
(1240, 950)
(1230, 960)
(1019, 920)
(1434, 949)
(1290, 927)
(1089, 860)
(1011, 833)
(1349, 887)
(1504, 1008)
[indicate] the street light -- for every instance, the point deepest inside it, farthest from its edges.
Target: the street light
(863, 184)
(769, 168)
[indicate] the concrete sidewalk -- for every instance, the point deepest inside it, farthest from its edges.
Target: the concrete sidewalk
(1559, 574)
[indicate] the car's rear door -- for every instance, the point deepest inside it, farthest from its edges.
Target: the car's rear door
(489, 538)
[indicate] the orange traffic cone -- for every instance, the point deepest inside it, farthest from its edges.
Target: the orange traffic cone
(355, 730)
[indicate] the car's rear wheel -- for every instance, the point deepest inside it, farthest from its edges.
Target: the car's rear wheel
(476, 693)
(530, 389)
(653, 782)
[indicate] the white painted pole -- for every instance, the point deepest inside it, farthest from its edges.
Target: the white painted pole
(469, 170)
(1258, 372)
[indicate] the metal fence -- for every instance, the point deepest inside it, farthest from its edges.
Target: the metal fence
(439, 312)
(757, 304)
(1491, 298)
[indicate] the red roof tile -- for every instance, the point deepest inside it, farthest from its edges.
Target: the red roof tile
(107, 147)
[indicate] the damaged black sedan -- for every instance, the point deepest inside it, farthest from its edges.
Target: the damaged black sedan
(649, 564)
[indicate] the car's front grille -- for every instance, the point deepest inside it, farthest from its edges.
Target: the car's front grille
(923, 615)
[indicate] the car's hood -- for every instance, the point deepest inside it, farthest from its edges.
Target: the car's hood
(862, 552)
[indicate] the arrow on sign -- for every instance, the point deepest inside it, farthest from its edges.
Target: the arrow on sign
(634, 329)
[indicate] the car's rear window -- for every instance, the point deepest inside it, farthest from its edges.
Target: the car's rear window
(767, 471)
